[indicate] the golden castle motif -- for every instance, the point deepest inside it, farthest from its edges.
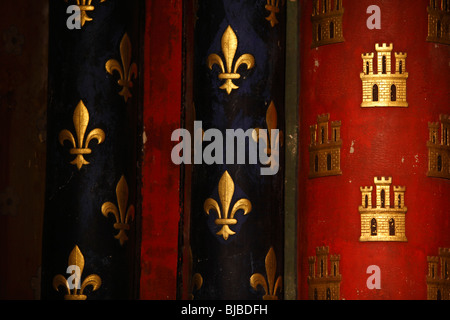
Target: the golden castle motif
(439, 149)
(383, 223)
(384, 88)
(438, 281)
(323, 285)
(327, 22)
(325, 153)
(439, 21)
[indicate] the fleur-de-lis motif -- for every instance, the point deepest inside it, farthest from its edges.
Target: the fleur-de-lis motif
(226, 191)
(229, 44)
(73, 293)
(272, 6)
(122, 215)
(127, 70)
(80, 121)
(258, 279)
(85, 5)
(271, 121)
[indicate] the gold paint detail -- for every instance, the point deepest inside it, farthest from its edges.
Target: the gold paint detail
(439, 22)
(327, 23)
(81, 121)
(438, 277)
(439, 148)
(127, 71)
(123, 215)
(85, 6)
(271, 287)
(322, 284)
(325, 152)
(384, 222)
(196, 284)
(384, 88)
(196, 281)
(76, 259)
(229, 44)
(272, 123)
(273, 7)
(226, 191)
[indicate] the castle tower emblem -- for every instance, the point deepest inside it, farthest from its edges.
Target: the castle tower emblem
(439, 148)
(439, 21)
(325, 152)
(384, 222)
(327, 22)
(324, 284)
(438, 280)
(384, 88)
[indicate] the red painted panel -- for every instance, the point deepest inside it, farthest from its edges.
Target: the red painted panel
(376, 142)
(161, 178)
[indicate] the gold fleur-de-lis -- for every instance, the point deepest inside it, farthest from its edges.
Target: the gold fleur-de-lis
(127, 70)
(85, 5)
(226, 191)
(271, 121)
(258, 279)
(73, 293)
(272, 6)
(122, 215)
(80, 121)
(229, 44)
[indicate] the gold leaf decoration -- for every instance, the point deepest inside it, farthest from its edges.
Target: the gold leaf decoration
(271, 287)
(80, 122)
(85, 6)
(122, 215)
(273, 7)
(229, 43)
(226, 191)
(127, 70)
(76, 258)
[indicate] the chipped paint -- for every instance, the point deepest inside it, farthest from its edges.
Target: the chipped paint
(352, 150)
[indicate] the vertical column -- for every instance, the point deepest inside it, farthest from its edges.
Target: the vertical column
(387, 209)
(89, 236)
(236, 218)
(162, 71)
(291, 154)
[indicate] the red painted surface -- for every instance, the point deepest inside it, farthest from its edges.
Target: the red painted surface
(161, 178)
(386, 142)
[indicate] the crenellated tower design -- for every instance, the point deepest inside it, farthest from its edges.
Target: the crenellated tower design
(395, 152)
(385, 221)
(325, 148)
(384, 88)
(439, 148)
(322, 283)
(439, 21)
(327, 22)
(438, 277)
